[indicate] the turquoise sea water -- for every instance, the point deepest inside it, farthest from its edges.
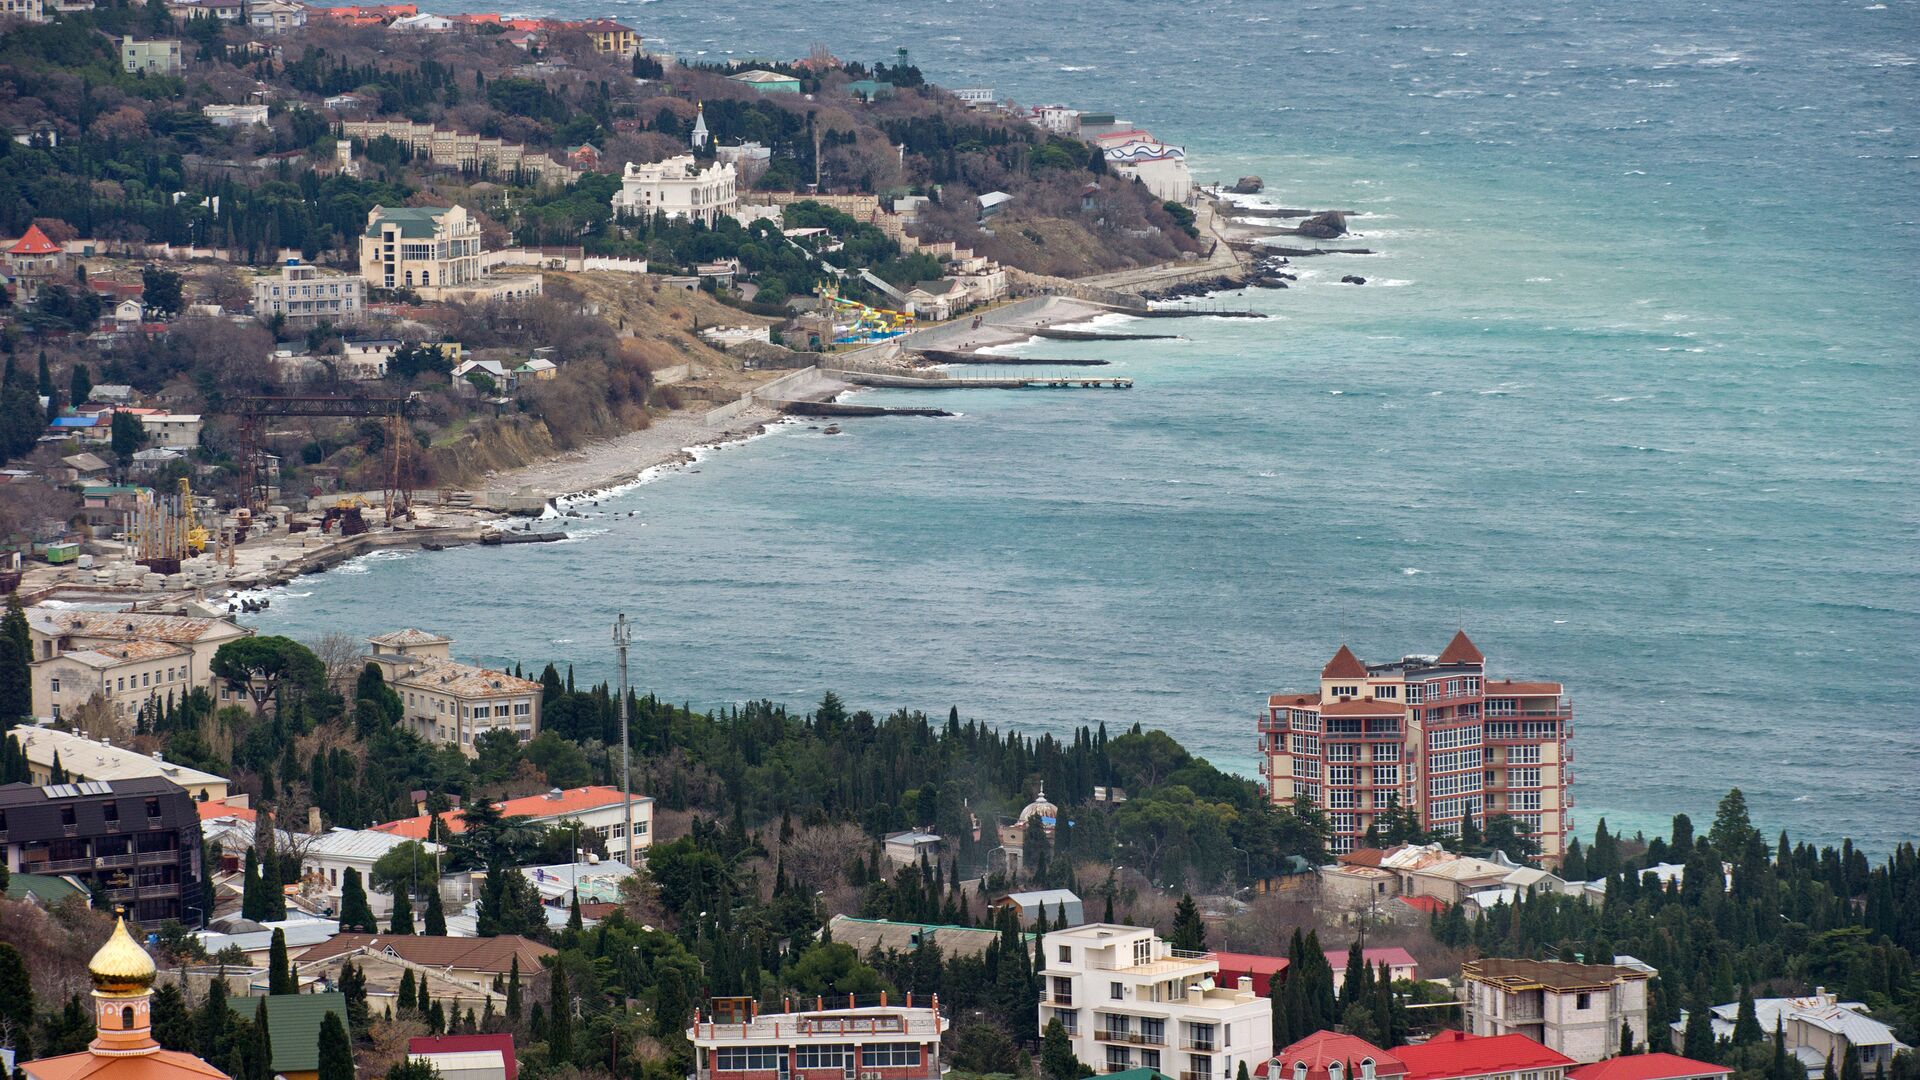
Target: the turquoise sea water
(1630, 396)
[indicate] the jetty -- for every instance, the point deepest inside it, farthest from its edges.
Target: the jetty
(953, 356)
(1041, 382)
(1059, 334)
(1234, 211)
(842, 408)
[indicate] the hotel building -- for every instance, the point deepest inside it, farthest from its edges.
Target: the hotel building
(1130, 1000)
(449, 703)
(305, 295)
(1430, 733)
(835, 1040)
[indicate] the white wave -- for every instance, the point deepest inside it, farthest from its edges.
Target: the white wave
(1538, 280)
(1410, 571)
(694, 456)
(1074, 67)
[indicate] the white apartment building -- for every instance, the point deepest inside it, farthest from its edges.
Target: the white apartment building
(304, 295)
(1575, 1009)
(1128, 999)
(678, 187)
(407, 247)
(229, 116)
(838, 1039)
(84, 759)
(449, 703)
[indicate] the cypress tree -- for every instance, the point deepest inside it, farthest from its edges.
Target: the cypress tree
(355, 912)
(279, 973)
(408, 995)
(560, 1019)
(436, 917)
(1626, 1038)
(513, 992)
(402, 922)
(260, 1046)
(336, 1051)
(1746, 1026)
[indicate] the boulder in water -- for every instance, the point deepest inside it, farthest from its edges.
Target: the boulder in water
(1249, 185)
(1327, 226)
(1353, 279)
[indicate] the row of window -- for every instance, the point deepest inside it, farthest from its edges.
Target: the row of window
(1453, 760)
(1453, 738)
(1453, 784)
(823, 1056)
(1523, 755)
(1468, 806)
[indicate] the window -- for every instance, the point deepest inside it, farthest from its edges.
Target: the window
(1583, 1001)
(1118, 1059)
(1069, 1020)
(1341, 775)
(1113, 991)
(1334, 1070)
(1306, 746)
(1299, 1070)
(1523, 800)
(66, 815)
(1386, 751)
(1066, 954)
(1453, 738)
(1142, 951)
(1386, 693)
(1342, 798)
(1343, 751)
(743, 1058)
(56, 684)
(1200, 1037)
(1062, 991)
(112, 810)
(1150, 1059)
(1200, 1066)
(1366, 1069)
(890, 1055)
(1523, 777)
(1386, 776)
(1523, 755)
(829, 1056)
(1345, 823)
(1416, 693)
(1306, 767)
(126, 1018)
(1153, 1030)
(153, 807)
(1345, 691)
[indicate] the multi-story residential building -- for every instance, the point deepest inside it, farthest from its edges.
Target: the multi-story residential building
(34, 11)
(1428, 733)
(1574, 1009)
(276, 16)
(600, 810)
(81, 758)
(1129, 999)
(174, 654)
(678, 187)
(303, 295)
(1817, 1029)
(407, 247)
(834, 1040)
(609, 36)
(180, 431)
(450, 703)
(134, 842)
(155, 57)
(468, 152)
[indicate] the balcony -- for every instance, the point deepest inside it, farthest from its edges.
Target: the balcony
(1131, 1038)
(1197, 1046)
(1196, 1076)
(1060, 999)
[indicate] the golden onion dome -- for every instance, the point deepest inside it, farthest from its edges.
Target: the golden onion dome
(121, 964)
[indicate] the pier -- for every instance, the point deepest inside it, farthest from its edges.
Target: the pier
(1043, 382)
(951, 356)
(1059, 334)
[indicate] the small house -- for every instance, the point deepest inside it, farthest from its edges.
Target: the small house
(1055, 902)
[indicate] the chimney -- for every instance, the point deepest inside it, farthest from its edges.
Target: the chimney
(1245, 984)
(313, 821)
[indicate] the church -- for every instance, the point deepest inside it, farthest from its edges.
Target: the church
(123, 1046)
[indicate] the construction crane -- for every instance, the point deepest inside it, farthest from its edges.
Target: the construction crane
(254, 409)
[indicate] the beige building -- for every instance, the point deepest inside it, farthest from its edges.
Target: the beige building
(406, 247)
(158, 57)
(125, 676)
(450, 703)
(678, 187)
(1575, 1009)
(1817, 1029)
(304, 295)
(463, 150)
(82, 758)
(180, 431)
(60, 632)
(275, 16)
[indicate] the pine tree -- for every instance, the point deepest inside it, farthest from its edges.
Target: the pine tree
(355, 912)
(172, 1019)
(336, 1050)
(1189, 932)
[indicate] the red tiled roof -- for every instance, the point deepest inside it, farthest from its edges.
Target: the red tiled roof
(1261, 969)
(1648, 1067)
(1366, 856)
(571, 801)
(1453, 1054)
(1393, 956)
(494, 955)
(1344, 665)
(1461, 651)
(1524, 689)
(1322, 1048)
(1294, 701)
(34, 242)
(1432, 905)
(218, 808)
(466, 1044)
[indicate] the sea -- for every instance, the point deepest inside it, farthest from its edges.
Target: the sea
(1629, 394)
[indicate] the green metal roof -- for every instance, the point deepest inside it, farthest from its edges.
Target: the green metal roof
(415, 222)
(293, 1025)
(1142, 1073)
(43, 887)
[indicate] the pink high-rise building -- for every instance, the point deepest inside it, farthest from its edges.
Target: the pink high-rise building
(1429, 733)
